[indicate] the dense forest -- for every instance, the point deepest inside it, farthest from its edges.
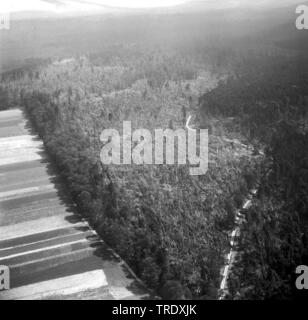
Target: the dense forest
(173, 228)
(270, 109)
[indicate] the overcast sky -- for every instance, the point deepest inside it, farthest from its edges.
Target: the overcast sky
(63, 5)
(30, 5)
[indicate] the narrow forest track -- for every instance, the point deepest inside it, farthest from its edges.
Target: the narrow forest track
(51, 252)
(236, 232)
(231, 257)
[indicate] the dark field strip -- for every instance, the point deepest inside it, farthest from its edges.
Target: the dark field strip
(11, 132)
(41, 236)
(47, 243)
(45, 253)
(21, 166)
(36, 206)
(10, 123)
(22, 201)
(24, 176)
(80, 266)
(21, 215)
(24, 183)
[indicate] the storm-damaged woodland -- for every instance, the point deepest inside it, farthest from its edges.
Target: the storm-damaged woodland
(249, 88)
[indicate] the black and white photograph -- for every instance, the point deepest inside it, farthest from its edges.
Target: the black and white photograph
(154, 151)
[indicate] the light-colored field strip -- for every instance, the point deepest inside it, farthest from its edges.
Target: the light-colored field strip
(34, 209)
(19, 149)
(10, 114)
(58, 287)
(42, 241)
(20, 142)
(13, 185)
(21, 215)
(120, 293)
(25, 253)
(36, 226)
(21, 158)
(7, 195)
(11, 152)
